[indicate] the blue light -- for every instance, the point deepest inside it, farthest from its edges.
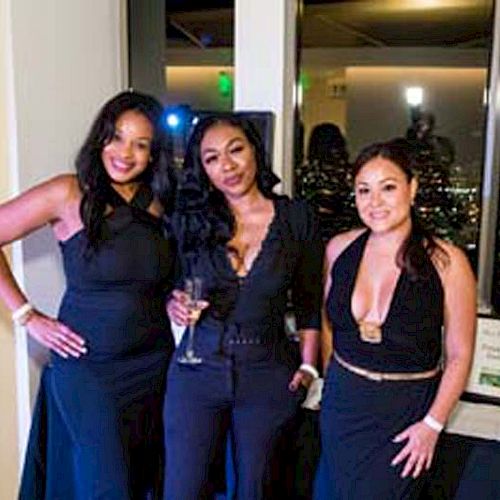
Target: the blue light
(173, 120)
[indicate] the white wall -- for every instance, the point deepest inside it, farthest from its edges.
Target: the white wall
(9, 455)
(66, 63)
(264, 67)
(66, 59)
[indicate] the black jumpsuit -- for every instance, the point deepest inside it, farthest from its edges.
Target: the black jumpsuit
(247, 359)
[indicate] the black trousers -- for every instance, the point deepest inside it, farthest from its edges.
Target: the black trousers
(244, 393)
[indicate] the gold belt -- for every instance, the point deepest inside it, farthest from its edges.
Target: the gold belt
(381, 376)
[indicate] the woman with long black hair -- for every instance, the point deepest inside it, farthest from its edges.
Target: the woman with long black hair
(97, 430)
(249, 247)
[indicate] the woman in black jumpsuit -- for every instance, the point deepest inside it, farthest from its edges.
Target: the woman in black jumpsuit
(251, 248)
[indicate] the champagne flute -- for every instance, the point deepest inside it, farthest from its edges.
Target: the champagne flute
(193, 290)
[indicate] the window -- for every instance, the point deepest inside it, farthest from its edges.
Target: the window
(375, 70)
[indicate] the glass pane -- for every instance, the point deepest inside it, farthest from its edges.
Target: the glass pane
(182, 52)
(199, 63)
(199, 56)
(374, 70)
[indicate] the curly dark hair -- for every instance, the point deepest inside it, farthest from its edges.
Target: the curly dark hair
(202, 217)
(93, 179)
(420, 245)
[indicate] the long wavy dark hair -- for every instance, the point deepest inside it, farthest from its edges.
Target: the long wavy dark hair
(93, 180)
(202, 217)
(415, 251)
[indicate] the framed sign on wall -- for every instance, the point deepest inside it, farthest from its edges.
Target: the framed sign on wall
(484, 380)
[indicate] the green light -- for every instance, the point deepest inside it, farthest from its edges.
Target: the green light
(225, 84)
(304, 81)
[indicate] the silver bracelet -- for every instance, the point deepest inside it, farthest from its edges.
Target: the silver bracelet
(431, 422)
(310, 369)
(22, 314)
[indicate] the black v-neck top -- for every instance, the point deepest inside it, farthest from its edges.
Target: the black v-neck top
(411, 333)
(290, 259)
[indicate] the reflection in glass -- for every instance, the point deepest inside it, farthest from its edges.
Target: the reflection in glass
(199, 71)
(378, 70)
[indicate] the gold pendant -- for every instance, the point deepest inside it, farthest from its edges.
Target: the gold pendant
(370, 332)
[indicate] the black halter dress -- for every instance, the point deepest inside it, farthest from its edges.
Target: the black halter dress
(360, 417)
(97, 430)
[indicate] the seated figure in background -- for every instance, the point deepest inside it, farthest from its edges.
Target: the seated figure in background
(324, 180)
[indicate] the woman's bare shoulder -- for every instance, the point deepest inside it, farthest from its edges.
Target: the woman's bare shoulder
(58, 189)
(340, 242)
(450, 258)
(52, 201)
(66, 185)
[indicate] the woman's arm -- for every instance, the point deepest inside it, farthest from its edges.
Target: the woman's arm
(22, 215)
(326, 326)
(459, 327)
(334, 248)
(306, 293)
(44, 204)
(459, 332)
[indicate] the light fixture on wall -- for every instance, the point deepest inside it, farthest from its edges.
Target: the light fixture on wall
(414, 96)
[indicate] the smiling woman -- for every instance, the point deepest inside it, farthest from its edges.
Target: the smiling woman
(127, 154)
(390, 288)
(383, 195)
(96, 429)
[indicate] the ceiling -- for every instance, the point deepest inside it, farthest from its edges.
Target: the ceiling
(345, 23)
